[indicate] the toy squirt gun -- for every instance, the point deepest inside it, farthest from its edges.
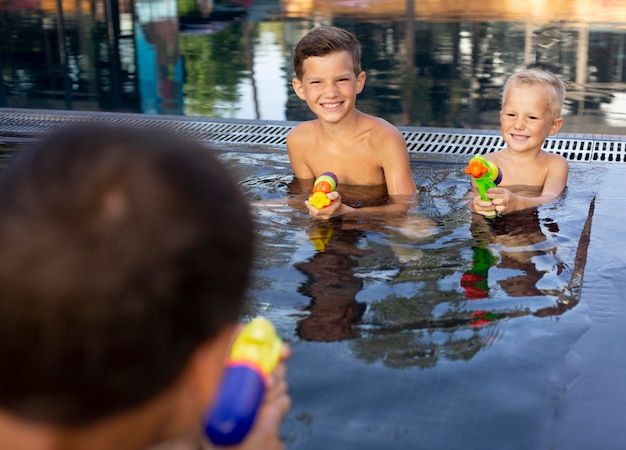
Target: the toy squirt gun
(253, 357)
(485, 174)
(324, 184)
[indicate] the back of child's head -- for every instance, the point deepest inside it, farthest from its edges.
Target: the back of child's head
(323, 41)
(121, 252)
(538, 76)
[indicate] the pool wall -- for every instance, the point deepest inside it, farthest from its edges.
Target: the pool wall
(432, 144)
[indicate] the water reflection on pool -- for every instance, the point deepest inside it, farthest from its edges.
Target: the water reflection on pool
(429, 63)
(423, 335)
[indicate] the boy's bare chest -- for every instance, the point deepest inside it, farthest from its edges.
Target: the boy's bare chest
(356, 165)
(515, 172)
(529, 176)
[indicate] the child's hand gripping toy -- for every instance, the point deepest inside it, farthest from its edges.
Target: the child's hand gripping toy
(324, 184)
(486, 175)
(254, 355)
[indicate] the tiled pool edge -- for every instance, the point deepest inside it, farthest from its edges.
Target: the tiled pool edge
(432, 144)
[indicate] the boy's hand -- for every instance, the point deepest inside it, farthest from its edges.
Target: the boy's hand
(265, 433)
(503, 200)
(482, 207)
(335, 208)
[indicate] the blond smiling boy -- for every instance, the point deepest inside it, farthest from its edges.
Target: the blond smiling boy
(532, 101)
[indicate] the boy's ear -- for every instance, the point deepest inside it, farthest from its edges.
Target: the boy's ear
(297, 87)
(556, 126)
(360, 82)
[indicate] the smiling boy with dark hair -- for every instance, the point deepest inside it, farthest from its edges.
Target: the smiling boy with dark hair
(360, 149)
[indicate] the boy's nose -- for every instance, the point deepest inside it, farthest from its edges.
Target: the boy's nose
(331, 90)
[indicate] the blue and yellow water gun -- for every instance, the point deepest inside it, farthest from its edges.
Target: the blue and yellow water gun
(485, 174)
(254, 355)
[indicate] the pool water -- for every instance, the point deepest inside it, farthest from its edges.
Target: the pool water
(444, 330)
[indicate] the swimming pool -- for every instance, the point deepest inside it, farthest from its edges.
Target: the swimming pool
(444, 332)
(460, 333)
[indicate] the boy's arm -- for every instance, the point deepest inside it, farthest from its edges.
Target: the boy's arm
(556, 179)
(396, 164)
(265, 434)
(296, 147)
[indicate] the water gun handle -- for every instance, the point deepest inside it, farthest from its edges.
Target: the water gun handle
(254, 356)
(324, 184)
(485, 174)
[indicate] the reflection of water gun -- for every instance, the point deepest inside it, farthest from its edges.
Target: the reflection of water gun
(474, 281)
(324, 184)
(320, 237)
(480, 318)
(254, 355)
(486, 175)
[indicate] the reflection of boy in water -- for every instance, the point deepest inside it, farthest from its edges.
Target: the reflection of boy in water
(531, 111)
(521, 230)
(332, 287)
(331, 283)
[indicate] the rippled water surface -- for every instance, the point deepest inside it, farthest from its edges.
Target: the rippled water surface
(425, 333)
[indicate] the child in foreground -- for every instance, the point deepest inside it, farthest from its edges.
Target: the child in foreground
(532, 101)
(124, 263)
(361, 150)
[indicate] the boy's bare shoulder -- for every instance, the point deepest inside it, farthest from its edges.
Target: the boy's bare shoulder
(545, 157)
(554, 157)
(302, 128)
(301, 133)
(493, 156)
(382, 130)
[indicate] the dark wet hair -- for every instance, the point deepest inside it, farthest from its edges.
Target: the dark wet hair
(121, 252)
(322, 41)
